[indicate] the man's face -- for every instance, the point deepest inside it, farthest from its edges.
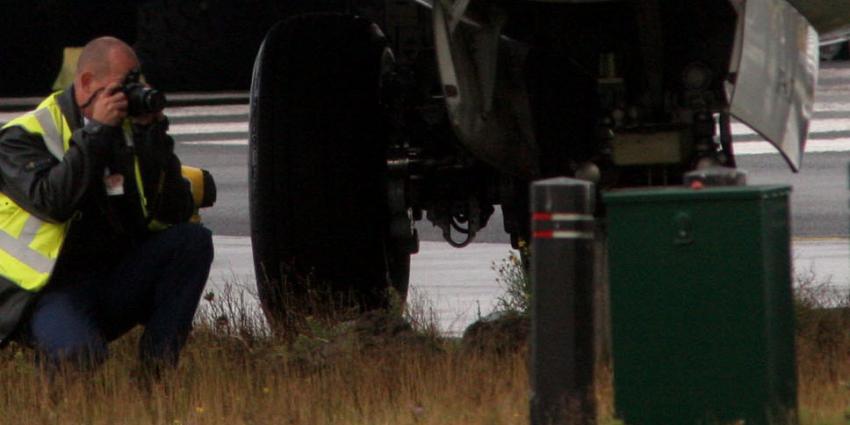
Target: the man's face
(121, 63)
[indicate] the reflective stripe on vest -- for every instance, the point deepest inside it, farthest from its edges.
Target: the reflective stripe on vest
(30, 246)
(20, 247)
(50, 133)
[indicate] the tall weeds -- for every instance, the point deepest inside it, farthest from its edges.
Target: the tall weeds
(376, 369)
(823, 349)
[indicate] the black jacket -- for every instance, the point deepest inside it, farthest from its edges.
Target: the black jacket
(103, 228)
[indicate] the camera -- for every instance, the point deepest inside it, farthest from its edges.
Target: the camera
(141, 99)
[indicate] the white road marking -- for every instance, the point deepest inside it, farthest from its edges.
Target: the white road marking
(184, 111)
(219, 110)
(207, 128)
(832, 106)
(816, 126)
(739, 129)
(813, 145)
(240, 142)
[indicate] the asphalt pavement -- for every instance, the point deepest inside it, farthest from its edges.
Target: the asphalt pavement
(460, 285)
(215, 136)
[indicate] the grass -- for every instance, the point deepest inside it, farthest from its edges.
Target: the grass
(823, 351)
(222, 381)
(373, 370)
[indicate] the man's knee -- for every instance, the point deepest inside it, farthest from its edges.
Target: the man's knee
(60, 329)
(80, 351)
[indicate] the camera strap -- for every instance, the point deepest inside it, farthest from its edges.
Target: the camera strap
(91, 98)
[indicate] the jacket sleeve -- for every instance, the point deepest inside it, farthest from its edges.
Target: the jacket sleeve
(45, 186)
(171, 201)
(169, 196)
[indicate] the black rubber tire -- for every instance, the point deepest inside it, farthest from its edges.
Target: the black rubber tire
(318, 188)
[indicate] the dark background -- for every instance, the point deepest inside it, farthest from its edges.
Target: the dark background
(186, 45)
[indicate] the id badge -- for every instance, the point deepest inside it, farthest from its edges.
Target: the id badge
(114, 183)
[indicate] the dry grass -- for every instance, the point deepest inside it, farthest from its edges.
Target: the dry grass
(222, 381)
(823, 351)
(234, 372)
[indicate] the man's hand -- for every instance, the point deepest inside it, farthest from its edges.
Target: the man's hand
(148, 119)
(110, 106)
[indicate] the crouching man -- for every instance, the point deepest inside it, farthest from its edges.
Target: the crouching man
(94, 232)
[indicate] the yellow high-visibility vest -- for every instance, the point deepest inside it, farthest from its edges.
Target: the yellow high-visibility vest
(29, 246)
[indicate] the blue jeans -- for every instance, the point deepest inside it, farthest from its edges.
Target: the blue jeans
(158, 285)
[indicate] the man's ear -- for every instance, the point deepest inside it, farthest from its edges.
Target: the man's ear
(86, 79)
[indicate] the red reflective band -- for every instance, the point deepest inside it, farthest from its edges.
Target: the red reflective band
(561, 216)
(562, 234)
(541, 216)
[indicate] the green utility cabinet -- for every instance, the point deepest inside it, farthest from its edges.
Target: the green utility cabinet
(701, 305)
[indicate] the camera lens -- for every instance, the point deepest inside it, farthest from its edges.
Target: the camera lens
(143, 100)
(154, 100)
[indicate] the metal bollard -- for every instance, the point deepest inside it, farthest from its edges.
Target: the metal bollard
(562, 327)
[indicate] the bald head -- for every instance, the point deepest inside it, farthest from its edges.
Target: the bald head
(104, 62)
(99, 55)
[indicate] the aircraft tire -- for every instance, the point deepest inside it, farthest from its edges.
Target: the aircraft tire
(318, 169)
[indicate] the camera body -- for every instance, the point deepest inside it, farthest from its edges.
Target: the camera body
(140, 98)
